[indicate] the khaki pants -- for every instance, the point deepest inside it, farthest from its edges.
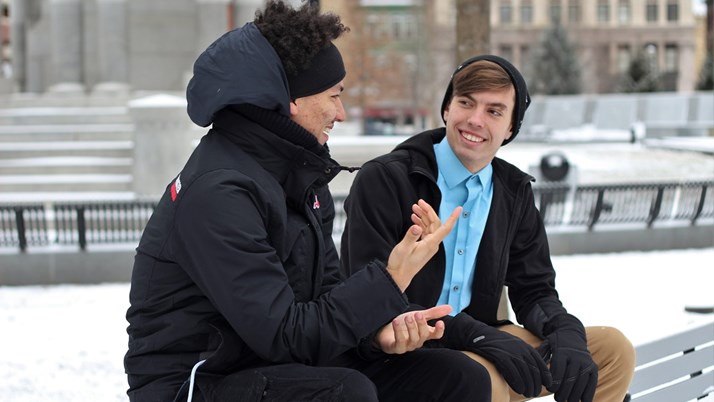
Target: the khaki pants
(612, 352)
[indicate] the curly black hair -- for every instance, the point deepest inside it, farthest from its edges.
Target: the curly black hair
(297, 34)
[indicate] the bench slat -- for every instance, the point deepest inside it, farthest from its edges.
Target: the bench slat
(683, 391)
(676, 343)
(673, 369)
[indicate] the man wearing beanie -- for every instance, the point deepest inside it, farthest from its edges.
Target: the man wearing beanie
(235, 291)
(499, 240)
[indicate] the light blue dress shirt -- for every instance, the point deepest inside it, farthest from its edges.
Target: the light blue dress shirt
(474, 193)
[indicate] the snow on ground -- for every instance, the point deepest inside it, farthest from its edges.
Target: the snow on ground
(66, 343)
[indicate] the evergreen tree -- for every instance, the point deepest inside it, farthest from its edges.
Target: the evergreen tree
(641, 75)
(556, 70)
(706, 75)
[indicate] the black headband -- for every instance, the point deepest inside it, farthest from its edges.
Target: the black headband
(523, 100)
(326, 69)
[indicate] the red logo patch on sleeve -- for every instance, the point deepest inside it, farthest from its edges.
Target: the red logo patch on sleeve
(175, 188)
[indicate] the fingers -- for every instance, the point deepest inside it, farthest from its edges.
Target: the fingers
(439, 329)
(589, 393)
(557, 369)
(437, 311)
(411, 330)
(440, 233)
(425, 214)
(418, 245)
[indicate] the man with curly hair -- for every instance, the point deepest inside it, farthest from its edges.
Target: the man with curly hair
(235, 291)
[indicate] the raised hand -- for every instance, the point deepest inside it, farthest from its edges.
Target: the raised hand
(410, 330)
(419, 244)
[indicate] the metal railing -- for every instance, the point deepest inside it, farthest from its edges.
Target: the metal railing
(586, 206)
(81, 224)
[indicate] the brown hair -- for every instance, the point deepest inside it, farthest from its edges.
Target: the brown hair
(480, 76)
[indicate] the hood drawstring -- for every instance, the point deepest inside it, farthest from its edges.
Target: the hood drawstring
(350, 169)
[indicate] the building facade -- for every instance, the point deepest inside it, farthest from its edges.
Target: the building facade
(399, 53)
(607, 34)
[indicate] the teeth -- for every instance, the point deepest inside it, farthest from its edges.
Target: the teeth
(326, 130)
(472, 137)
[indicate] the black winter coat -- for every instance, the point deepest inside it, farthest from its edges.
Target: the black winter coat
(513, 251)
(237, 264)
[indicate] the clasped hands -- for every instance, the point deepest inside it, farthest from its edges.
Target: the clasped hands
(409, 331)
(572, 375)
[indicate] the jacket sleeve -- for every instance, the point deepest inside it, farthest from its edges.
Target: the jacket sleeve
(222, 242)
(375, 218)
(531, 277)
(331, 276)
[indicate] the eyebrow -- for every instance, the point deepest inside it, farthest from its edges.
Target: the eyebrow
(499, 105)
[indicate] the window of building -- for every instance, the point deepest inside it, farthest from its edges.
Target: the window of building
(623, 12)
(402, 26)
(526, 12)
(574, 11)
(672, 11)
(671, 57)
(624, 57)
(651, 11)
(396, 27)
(555, 11)
(506, 51)
(651, 54)
(506, 11)
(603, 11)
(378, 25)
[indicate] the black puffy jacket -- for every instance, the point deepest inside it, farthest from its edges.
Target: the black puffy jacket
(237, 264)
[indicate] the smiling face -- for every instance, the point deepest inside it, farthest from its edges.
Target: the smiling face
(479, 116)
(476, 125)
(318, 113)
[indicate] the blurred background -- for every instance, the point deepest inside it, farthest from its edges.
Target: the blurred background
(93, 126)
(620, 134)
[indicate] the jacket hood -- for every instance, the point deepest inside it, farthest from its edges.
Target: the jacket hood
(240, 67)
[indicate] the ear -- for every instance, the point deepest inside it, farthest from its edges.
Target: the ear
(445, 114)
(293, 108)
(510, 132)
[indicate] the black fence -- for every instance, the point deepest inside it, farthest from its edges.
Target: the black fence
(588, 206)
(79, 224)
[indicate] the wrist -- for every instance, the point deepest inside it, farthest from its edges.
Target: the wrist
(398, 278)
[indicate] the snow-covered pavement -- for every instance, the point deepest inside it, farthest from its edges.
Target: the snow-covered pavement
(66, 343)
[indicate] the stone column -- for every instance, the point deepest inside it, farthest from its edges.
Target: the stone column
(112, 47)
(213, 21)
(163, 140)
(687, 79)
(19, 41)
(66, 45)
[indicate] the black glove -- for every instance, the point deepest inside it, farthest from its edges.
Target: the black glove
(573, 369)
(520, 364)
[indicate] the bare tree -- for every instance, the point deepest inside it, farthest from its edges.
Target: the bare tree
(473, 28)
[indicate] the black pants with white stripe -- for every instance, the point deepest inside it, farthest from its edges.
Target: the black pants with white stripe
(425, 375)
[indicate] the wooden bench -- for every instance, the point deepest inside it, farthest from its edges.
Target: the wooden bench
(677, 368)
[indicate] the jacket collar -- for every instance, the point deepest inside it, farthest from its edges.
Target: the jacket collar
(270, 143)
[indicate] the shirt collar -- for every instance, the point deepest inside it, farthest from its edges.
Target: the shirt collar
(453, 171)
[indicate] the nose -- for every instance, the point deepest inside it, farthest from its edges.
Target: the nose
(341, 115)
(476, 117)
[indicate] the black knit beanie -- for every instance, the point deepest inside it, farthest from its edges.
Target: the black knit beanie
(523, 100)
(325, 70)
